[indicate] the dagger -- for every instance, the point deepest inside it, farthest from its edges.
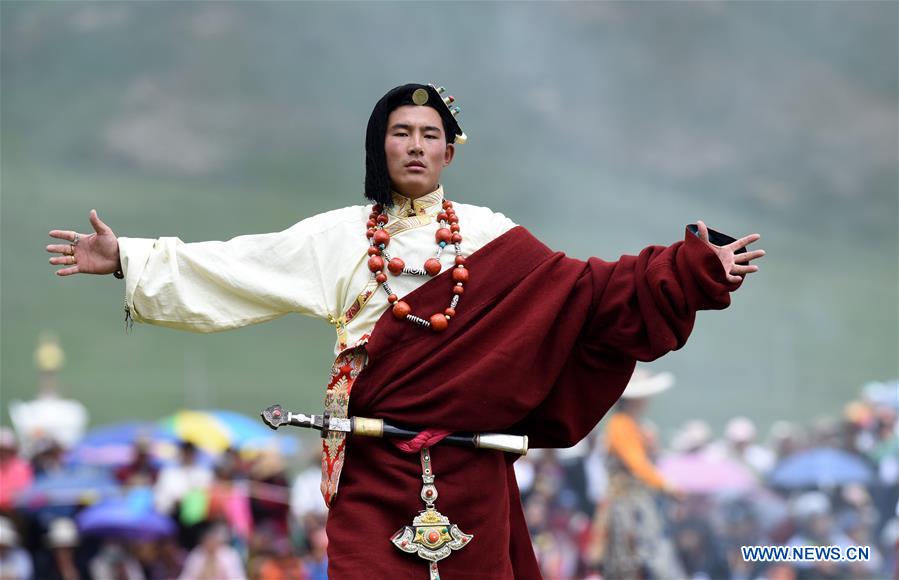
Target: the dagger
(275, 416)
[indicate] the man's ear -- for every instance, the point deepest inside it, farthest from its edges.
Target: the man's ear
(449, 154)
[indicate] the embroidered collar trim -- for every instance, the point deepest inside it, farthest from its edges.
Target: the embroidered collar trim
(426, 204)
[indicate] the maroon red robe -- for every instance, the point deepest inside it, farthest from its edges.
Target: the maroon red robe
(542, 344)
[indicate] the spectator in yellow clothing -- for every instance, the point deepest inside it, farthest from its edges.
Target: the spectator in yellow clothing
(630, 539)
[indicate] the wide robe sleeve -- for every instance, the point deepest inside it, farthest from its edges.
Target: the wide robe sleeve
(543, 345)
(645, 305)
(220, 285)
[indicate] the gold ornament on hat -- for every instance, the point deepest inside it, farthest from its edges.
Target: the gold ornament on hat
(420, 96)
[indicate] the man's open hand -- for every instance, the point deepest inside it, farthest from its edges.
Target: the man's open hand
(96, 253)
(734, 264)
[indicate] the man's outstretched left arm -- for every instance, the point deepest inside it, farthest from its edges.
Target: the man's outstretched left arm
(645, 305)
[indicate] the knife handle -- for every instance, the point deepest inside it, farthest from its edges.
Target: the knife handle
(370, 427)
(512, 443)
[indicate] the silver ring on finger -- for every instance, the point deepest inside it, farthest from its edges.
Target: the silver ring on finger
(75, 239)
(71, 249)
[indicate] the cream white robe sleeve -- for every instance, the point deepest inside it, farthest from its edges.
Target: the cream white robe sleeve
(214, 286)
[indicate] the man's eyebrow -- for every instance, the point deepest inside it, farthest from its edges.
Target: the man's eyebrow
(408, 127)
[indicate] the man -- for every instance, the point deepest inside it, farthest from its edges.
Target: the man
(507, 336)
(630, 526)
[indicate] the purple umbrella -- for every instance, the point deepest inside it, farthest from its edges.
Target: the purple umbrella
(132, 518)
(706, 473)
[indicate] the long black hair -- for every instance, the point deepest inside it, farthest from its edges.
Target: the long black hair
(377, 178)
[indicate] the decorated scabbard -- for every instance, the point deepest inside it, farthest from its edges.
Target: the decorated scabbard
(275, 416)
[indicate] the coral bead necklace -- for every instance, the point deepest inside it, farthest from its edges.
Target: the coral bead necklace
(379, 257)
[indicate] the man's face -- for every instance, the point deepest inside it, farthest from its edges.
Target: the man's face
(416, 150)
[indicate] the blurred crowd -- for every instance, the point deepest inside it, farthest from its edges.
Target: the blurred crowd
(831, 483)
(197, 517)
(695, 499)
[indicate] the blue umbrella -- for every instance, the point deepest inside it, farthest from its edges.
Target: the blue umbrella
(126, 432)
(820, 467)
(131, 517)
(114, 444)
(68, 488)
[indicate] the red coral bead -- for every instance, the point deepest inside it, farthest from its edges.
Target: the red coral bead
(401, 310)
(439, 323)
(374, 251)
(381, 278)
(382, 219)
(458, 290)
(453, 219)
(460, 260)
(457, 238)
(460, 275)
(376, 263)
(396, 265)
(381, 237)
(454, 228)
(441, 217)
(370, 233)
(391, 298)
(371, 223)
(447, 204)
(432, 266)
(443, 235)
(450, 312)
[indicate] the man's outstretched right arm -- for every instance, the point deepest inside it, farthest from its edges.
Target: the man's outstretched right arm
(207, 286)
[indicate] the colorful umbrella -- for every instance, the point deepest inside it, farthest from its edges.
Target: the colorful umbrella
(701, 472)
(217, 430)
(820, 467)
